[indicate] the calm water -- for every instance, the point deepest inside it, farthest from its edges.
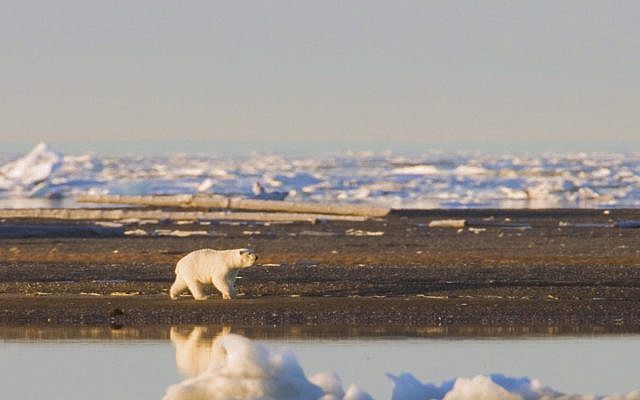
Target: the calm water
(82, 366)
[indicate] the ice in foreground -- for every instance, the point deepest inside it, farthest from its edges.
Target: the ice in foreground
(241, 369)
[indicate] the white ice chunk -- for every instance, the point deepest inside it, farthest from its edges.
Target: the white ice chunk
(470, 170)
(601, 173)
(34, 167)
(416, 170)
(247, 370)
(205, 185)
(488, 387)
(479, 388)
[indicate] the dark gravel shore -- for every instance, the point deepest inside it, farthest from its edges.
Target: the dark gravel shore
(562, 270)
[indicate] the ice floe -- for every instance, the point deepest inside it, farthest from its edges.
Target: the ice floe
(232, 367)
(241, 369)
(488, 387)
(434, 180)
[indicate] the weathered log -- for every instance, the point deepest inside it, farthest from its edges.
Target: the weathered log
(448, 223)
(220, 202)
(180, 200)
(116, 214)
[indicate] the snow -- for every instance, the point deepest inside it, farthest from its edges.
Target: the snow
(385, 179)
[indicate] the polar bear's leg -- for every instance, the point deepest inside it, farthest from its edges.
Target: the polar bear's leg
(195, 288)
(233, 291)
(231, 283)
(222, 286)
(178, 287)
(232, 287)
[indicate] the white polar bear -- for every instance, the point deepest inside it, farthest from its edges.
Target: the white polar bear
(218, 267)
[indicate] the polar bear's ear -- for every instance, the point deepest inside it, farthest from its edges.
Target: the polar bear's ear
(244, 251)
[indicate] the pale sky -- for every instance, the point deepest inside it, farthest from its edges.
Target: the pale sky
(205, 76)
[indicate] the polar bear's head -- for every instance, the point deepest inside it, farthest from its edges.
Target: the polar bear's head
(245, 258)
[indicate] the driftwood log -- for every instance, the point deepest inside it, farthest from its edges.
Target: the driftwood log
(227, 203)
(117, 214)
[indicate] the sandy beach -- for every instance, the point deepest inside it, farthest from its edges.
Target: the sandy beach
(568, 270)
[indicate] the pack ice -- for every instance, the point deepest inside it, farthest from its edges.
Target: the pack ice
(430, 180)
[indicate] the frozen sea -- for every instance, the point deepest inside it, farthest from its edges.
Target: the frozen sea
(45, 177)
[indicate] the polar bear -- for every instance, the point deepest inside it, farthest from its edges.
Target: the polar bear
(218, 267)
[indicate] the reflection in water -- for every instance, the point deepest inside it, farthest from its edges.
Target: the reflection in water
(195, 351)
(126, 333)
(230, 366)
(239, 368)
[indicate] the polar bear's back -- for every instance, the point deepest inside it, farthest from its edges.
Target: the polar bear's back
(201, 262)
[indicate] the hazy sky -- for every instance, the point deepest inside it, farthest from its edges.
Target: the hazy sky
(206, 76)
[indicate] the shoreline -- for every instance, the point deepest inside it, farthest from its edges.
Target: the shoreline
(527, 270)
(407, 312)
(64, 332)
